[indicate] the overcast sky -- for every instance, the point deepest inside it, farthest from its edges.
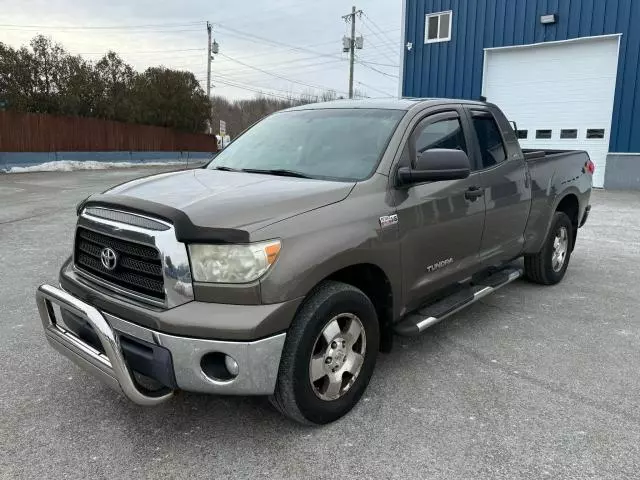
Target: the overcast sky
(300, 40)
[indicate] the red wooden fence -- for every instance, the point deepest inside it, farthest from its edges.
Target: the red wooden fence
(33, 132)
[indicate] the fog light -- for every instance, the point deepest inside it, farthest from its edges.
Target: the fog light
(232, 365)
(219, 366)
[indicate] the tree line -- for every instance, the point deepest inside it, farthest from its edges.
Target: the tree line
(241, 114)
(46, 78)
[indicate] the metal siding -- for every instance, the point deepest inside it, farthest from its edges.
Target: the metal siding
(629, 76)
(471, 32)
(586, 20)
(478, 57)
(434, 55)
(551, 6)
(574, 18)
(423, 49)
(499, 23)
(529, 28)
(597, 19)
(454, 69)
(634, 59)
(611, 16)
(461, 67)
(510, 22)
(490, 20)
(521, 20)
(563, 19)
(451, 56)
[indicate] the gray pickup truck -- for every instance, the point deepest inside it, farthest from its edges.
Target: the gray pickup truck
(286, 264)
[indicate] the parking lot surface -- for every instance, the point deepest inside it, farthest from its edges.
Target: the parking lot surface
(532, 382)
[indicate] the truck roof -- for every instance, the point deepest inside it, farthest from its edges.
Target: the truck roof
(384, 104)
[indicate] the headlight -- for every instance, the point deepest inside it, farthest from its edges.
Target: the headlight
(232, 263)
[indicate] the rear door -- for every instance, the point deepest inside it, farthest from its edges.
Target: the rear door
(500, 174)
(440, 224)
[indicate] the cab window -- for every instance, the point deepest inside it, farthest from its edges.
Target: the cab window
(492, 147)
(441, 134)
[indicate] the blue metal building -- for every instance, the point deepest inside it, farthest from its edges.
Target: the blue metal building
(566, 71)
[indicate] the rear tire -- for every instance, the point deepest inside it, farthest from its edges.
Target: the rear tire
(333, 339)
(549, 266)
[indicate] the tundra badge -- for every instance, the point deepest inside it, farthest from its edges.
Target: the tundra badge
(388, 220)
(439, 265)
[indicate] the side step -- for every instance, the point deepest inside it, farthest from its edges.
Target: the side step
(417, 322)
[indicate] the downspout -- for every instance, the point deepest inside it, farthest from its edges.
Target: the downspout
(402, 46)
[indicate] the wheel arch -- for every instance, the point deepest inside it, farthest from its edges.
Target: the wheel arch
(375, 282)
(542, 218)
(570, 205)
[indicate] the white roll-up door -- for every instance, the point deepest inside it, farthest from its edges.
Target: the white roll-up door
(559, 94)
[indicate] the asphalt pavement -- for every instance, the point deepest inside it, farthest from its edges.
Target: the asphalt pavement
(532, 382)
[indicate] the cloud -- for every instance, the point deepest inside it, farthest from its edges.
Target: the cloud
(302, 39)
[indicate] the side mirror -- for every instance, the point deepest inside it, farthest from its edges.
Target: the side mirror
(437, 164)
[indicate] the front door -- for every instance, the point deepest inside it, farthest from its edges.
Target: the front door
(440, 223)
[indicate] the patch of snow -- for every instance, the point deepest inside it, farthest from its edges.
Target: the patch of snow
(71, 165)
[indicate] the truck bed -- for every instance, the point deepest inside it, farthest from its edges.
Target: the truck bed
(534, 155)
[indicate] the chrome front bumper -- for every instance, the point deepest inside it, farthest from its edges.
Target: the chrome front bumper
(257, 361)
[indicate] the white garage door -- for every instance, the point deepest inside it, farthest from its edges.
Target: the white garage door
(559, 94)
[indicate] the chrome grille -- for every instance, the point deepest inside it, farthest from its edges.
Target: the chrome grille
(138, 268)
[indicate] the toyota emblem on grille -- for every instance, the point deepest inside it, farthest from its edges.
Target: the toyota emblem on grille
(109, 258)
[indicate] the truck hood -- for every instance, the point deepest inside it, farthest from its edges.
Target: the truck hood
(234, 200)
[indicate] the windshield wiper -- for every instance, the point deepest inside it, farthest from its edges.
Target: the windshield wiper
(227, 169)
(277, 171)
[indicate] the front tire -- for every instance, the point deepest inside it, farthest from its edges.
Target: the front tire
(549, 266)
(329, 355)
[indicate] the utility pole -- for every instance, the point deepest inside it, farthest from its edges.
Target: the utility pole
(351, 17)
(209, 28)
(212, 49)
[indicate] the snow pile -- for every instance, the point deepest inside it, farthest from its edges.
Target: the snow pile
(70, 165)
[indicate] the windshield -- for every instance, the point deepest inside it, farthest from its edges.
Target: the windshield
(335, 144)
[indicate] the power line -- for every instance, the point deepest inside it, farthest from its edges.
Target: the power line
(376, 90)
(381, 64)
(378, 28)
(248, 77)
(271, 53)
(275, 42)
(380, 49)
(140, 52)
(261, 40)
(275, 75)
(251, 85)
(102, 27)
(280, 63)
(291, 69)
(366, 64)
(257, 89)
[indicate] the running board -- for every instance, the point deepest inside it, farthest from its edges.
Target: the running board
(417, 322)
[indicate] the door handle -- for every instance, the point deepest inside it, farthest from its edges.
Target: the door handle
(473, 193)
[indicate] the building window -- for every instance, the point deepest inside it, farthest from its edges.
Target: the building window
(595, 133)
(438, 27)
(569, 133)
(543, 134)
(522, 134)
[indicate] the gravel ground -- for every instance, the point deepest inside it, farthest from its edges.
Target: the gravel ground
(533, 382)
